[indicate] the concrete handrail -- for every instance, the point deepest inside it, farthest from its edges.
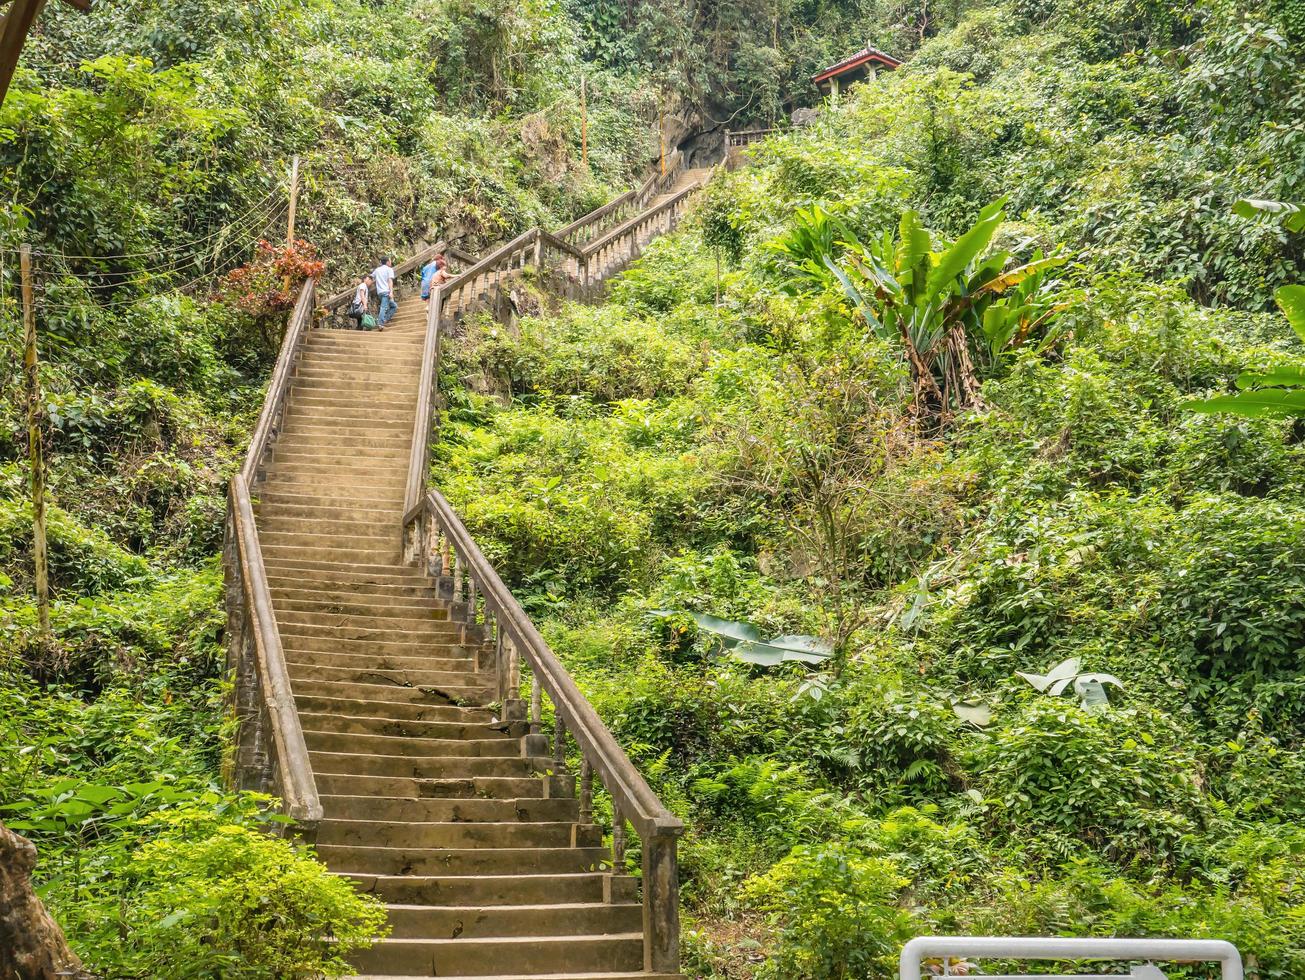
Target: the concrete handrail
(257, 659)
(447, 551)
(1051, 948)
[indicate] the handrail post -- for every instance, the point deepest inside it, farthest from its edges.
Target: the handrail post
(661, 904)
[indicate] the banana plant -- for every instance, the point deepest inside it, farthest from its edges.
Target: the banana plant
(743, 642)
(1277, 393)
(948, 305)
(1090, 688)
(1291, 216)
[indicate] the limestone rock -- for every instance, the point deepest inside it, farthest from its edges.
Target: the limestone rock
(32, 946)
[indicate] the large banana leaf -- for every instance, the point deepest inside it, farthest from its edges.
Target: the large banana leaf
(1061, 674)
(1291, 300)
(953, 262)
(1292, 215)
(1013, 277)
(1281, 403)
(727, 631)
(784, 649)
(744, 643)
(1279, 377)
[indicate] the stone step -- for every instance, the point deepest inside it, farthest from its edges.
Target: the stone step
(368, 600)
(473, 721)
(510, 889)
(455, 694)
(401, 359)
(405, 376)
(414, 648)
(372, 572)
(463, 811)
(301, 670)
(431, 621)
(334, 499)
(389, 499)
(568, 955)
(303, 424)
(463, 860)
(334, 526)
(427, 767)
(312, 436)
(346, 407)
(386, 540)
(362, 475)
(485, 787)
(341, 510)
(394, 456)
(342, 386)
(457, 835)
(360, 661)
(397, 346)
(486, 748)
(392, 629)
(313, 384)
(377, 553)
(482, 921)
(314, 397)
(385, 719)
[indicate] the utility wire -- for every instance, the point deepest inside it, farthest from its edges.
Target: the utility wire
(261, 207)
(229, 264)
(233, 233)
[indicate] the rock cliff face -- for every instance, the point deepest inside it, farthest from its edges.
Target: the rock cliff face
(32, 946)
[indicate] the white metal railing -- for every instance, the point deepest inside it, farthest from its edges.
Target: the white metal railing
(946, 948)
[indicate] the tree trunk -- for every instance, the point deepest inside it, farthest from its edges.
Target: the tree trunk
(32, 946)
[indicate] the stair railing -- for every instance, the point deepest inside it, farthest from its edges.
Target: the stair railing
(585, 230)
(271, 755)
(448, 553)
(436, 540)
(611, 253)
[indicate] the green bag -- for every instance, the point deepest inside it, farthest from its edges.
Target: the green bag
(368, 322)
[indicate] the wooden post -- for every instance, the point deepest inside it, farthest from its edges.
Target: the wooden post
(14, 26)
(661, 136)
(13, 32)
(36, 450)
(584, 120)
(586, 792)
(294, 202)
(661, 904)
(559, 741)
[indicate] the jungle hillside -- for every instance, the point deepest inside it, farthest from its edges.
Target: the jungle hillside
(981, 394)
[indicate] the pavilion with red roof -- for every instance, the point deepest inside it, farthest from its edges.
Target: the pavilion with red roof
(860, 66)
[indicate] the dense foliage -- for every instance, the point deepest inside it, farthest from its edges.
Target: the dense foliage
(740, 431)
(143, 154)
(773, 455)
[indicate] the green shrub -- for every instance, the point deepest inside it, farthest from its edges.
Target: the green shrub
(83, 561)
(1121, 783)
(835, 909)
(233, 903)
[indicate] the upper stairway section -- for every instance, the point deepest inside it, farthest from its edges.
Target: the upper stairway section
(359, 677)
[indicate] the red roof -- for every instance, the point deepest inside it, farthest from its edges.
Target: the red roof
(862, 57)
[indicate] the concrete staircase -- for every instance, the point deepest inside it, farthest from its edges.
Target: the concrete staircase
(477, 850)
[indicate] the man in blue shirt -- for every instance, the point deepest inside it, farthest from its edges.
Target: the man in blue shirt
(428, 276)
(384, 276)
